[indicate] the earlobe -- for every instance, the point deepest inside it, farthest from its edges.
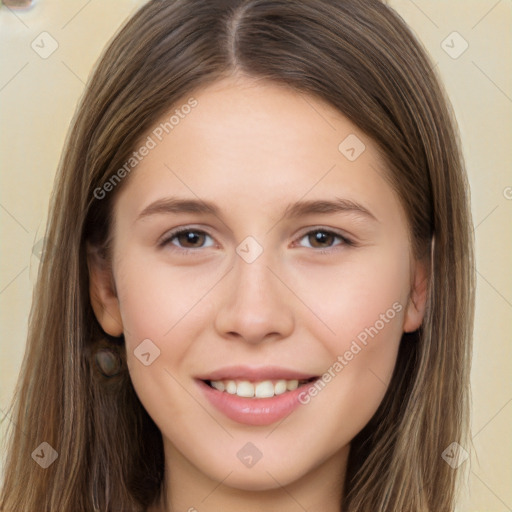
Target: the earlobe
(415, 311)
(102, 293)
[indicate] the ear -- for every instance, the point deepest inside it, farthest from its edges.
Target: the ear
(102, 293)
(418, 296)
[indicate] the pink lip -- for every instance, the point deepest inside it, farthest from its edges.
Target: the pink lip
(254, 411)
(255, 374)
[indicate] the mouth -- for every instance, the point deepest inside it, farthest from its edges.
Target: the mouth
(255, 396)
(258, 389)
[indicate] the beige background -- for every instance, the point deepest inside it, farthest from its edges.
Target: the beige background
(38, 97)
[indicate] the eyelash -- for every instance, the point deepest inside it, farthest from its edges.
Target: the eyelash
(173, 234)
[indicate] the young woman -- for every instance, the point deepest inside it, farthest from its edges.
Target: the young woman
(257, 289)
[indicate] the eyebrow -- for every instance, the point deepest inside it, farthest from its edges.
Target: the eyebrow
(299, 209)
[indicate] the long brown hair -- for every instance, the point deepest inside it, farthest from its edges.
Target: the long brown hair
(361, 58)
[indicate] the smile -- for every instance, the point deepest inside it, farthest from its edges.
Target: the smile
(261, 389)
(255, 396)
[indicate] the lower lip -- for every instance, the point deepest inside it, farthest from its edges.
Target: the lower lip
(254, 411)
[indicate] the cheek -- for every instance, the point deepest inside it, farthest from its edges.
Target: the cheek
(162, 314)
(363, 304)
(158, 300)
(363, 298)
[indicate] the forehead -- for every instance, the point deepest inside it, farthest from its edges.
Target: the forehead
(256, 144)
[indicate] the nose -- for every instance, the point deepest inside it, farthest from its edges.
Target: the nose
(256, 304)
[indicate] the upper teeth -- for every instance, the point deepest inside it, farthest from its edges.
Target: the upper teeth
(262, 389)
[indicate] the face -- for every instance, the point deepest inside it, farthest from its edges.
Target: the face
(292, 279)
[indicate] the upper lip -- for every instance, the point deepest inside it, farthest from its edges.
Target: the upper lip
(255, 373)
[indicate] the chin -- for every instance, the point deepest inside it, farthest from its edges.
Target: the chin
(251, 480)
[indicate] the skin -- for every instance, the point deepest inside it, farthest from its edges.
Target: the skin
(253, 147)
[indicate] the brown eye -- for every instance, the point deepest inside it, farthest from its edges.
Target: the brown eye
(319, 239)
(186, 239)
(325, 239)
(194, 238)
